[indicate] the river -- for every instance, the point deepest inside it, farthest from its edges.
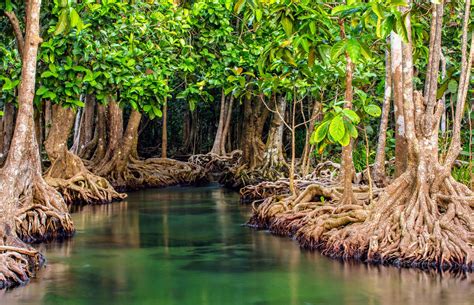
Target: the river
(187, 246)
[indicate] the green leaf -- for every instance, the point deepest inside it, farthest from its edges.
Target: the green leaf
(336, 128)
(351, 115)
(453, 86)
(41, 91)
(345, 140)
(258, 14)
(157, 112)
(1, 113)
(353, 48)
(62, 23)
(75, 18)
(373, 110)
(239, 5)
(287, 25)
(321, 132)
(338, 49)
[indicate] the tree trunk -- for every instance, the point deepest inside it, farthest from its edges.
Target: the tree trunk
(67, 172)
(316, 113)
(95, 150)
(255, 115)
(219, 139)
(86, 125)
(274, 165)
(398, 101)
(164, 132)
(379, 166)
(347, 162)
(225, 132)
(424, 217)
(8, 122)
(29, 208)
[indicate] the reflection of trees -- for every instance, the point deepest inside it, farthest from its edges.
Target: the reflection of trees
(128, 251)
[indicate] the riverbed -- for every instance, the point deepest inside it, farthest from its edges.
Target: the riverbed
(188, 246)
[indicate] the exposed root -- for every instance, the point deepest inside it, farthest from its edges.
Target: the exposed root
(156, 172)
(77, 184)
(409, 224)
(18, 261)
(215, 163)
(42, 214)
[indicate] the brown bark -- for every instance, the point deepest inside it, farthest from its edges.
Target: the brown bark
(347, 162)
(379, 166)
(164, 131)
(47, 117)
(67, 172)
(315, 116)
(255, 115)
(397, 82)
(8, 123)
(95, 150)
(274, 165)
(225, 132)
(29, 208)
(219, 139)
(17, 30)
(86, 126)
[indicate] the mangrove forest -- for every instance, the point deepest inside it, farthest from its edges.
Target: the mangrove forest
(236, 152)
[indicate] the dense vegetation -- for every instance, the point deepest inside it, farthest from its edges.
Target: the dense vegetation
(289, 101)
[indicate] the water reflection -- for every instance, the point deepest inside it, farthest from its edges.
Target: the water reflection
(187, 246)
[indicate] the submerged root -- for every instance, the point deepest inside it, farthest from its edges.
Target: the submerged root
(43, 214)
(77, 184)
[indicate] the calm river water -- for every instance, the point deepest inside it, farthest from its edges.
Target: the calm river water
(187, 246)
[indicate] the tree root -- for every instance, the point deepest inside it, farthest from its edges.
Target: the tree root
(156, 172)
(217, 164)
(69, 176)
(408, 224)
(43, 215)
(18, 261)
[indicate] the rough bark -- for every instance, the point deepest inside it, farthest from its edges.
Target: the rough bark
(219, 139)
(17, 31)
(30, 209)
(8, 123)
(86, 126)
(347, 162)
(274, 164)
(422, 219)
(225, 132)
(398, 98)
(67, 172)
(125, 171)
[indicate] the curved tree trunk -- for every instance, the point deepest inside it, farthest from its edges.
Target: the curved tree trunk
(67, 172)
(29, 208)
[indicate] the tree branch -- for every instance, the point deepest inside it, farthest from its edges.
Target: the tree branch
(17, 30)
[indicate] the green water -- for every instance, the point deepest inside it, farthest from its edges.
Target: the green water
(186, 246)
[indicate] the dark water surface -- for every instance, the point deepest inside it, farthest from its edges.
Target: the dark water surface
(186, 246)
